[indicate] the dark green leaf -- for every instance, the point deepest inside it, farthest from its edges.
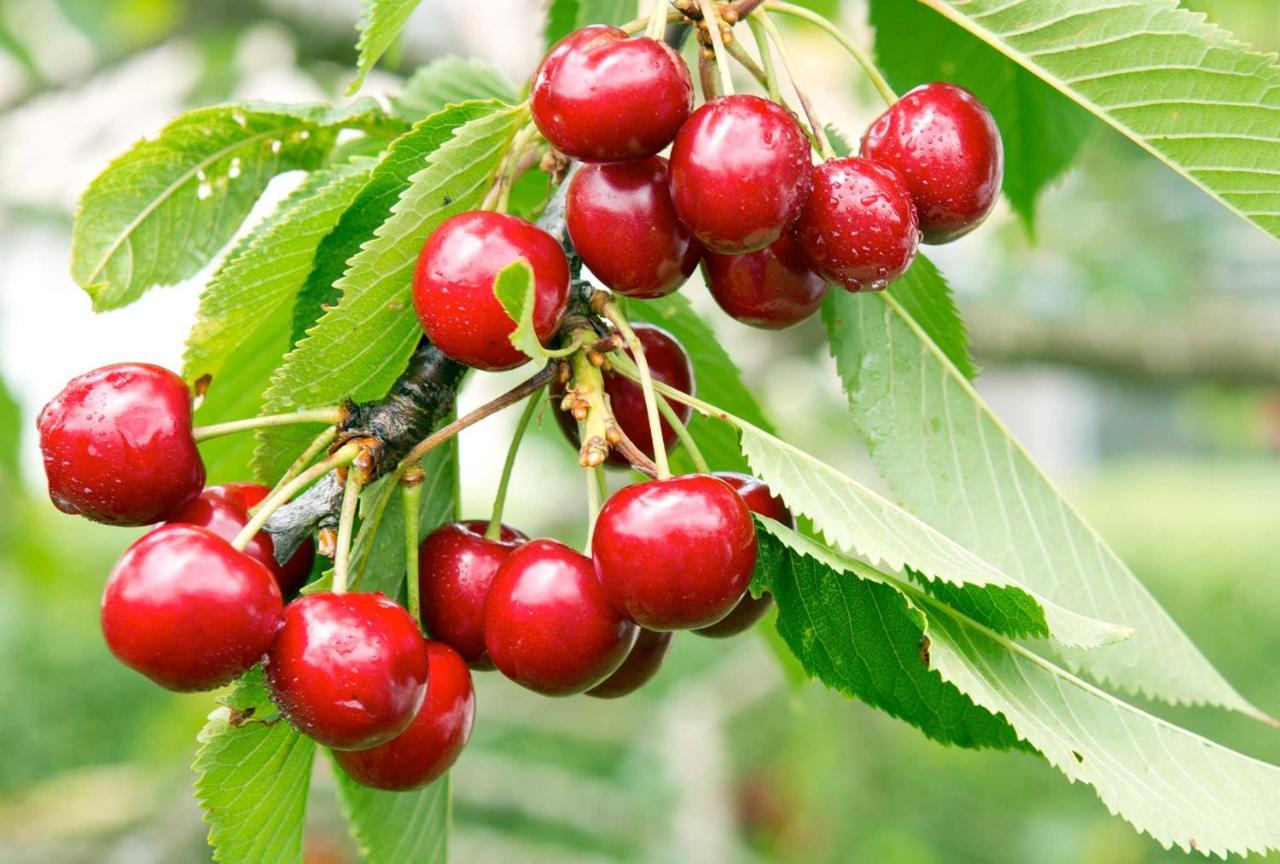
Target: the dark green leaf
(565, 16)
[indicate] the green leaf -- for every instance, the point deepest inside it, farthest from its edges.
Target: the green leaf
(451, 81)
(254, 772)
(397, 827)
(862, 637)
(1183, 89)
(952, 462)
(716, 379)
(565, 16)
(379, 25)
(160, 212)
(358, 347)
(1042, 130)
(515, 291)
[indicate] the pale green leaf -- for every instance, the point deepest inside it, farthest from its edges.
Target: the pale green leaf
(1183, 89)
(397, 827)
(161, 211)
(254, 772)
(565, 16)
(952, 462)
(927, 297)
(379, 25)
(359, 347)
(515, 291)
(450, 81)
(10, 433)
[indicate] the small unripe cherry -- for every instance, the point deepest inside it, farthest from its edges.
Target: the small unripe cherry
(772, 288)
(624, 228)
(739, 173)
(675, 554)
(118, 446)
(456, 565)
(946, 147)
(548, 625)
(187, 610)
(599, 96)
(859, 226)
(642, 663)
(422, 753)
(349, 670)
(453, 286)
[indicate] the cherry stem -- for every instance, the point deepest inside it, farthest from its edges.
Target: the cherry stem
(768, 80)
(819, 132)
(346, 525)
(512, 166)
(593, 504)
(657, 20)
(766, 57)
(615, 316)
(314, 415)
(637, 25)
(494, 531)
(745, 7)
(712, 21)
(682, 432)
(411, 496)
(323, 440)
(362, 546)
(511, 397)
(281, 495)
(864, 60)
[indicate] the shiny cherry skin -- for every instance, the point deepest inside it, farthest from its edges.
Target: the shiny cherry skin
(456, 565)
(669, 364)
(773, 288)
(118, 447)
(453, 286)
(760, 500)
(739, 173)
(222, 510)
(675, 554)
(858, 227)
(599, 96)
(422, 753)
(548, 625)
(623, 226)
(642, 663)
(188, 611)
(349, 670)
(946, 147)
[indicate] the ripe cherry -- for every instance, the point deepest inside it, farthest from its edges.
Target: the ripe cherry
(548, 625)
(641, 665)
(427, 749)
(760, 500)
(623, 226)
(118, 447)
(350, 670)
(224, 511)
(946, 147)
(453, 286)
(859, 226)
(669, 364)
(739, 173)
(456, 565)
(773, 288)
(675, 554)
(188, 611)
(601, 97)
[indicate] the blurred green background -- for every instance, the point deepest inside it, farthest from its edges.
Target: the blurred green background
(1131, 346)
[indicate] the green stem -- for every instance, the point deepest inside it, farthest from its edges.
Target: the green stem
(863, 59)
(346, 525)
(717, 46)
(614, 314)
(657, 20)
(508, 177)
(819, 132)
(345, 456)
(411, 492)
(362, 546)
(323, 440)
(682, 432)
(766, 58)
(494, 531)
(593, 504)
(314, 415)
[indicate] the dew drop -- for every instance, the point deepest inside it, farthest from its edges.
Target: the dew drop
(234, 170)
(204, 190)
(275, 146)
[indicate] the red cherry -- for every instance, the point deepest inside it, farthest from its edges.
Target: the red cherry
(456, 564)
(739, 173)
(453, 286)
(188, 611)
(675, 554)
(641, 665)
(547, 623)
(625, 230)
(946, 147)
(760, 500)
(859, 225)
(222, 510)
(117, 445)
(601, 97)
(350, 670)
(773, 288)
(422, 753)
(669, 364)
